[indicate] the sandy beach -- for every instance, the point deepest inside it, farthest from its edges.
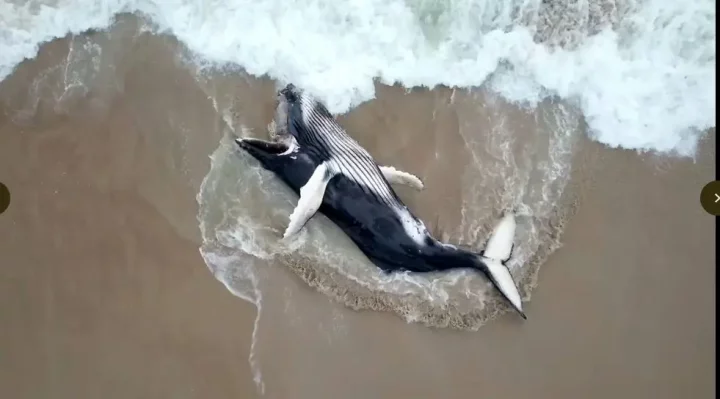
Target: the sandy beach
(104, 292)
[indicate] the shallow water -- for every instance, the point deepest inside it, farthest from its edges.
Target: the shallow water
(501, 158)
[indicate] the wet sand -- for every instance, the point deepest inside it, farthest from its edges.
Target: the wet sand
(104, 292)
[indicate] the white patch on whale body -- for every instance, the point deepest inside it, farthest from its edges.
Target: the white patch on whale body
(414, 228)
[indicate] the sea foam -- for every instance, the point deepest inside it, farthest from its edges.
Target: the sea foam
(643, 73)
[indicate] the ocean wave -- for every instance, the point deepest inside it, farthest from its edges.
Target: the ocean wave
(643, 73)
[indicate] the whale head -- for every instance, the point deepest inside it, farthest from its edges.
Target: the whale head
(293, 165)
(304, 111)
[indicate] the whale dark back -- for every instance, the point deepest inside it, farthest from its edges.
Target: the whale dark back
(374, 227)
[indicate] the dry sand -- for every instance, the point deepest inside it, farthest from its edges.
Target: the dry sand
(104, 293)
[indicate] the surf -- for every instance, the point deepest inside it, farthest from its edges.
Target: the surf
(643, 73)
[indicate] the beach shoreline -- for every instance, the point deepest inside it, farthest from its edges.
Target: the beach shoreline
(105, 293)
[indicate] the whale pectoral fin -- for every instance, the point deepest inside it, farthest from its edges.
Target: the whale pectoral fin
(311, 196)
(395, 176)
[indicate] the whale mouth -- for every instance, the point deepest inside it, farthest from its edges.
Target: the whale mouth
(267, 147)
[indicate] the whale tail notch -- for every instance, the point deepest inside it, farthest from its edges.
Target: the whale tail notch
(492, 261)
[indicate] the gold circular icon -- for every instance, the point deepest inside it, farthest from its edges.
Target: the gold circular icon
(710, 198)
(4, 198)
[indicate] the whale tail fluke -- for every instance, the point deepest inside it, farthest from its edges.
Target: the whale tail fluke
(496, 253)
(501, 278)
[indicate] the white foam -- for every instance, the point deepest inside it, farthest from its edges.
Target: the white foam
(651, 87)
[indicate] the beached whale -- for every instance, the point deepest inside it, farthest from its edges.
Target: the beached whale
(333, 174)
